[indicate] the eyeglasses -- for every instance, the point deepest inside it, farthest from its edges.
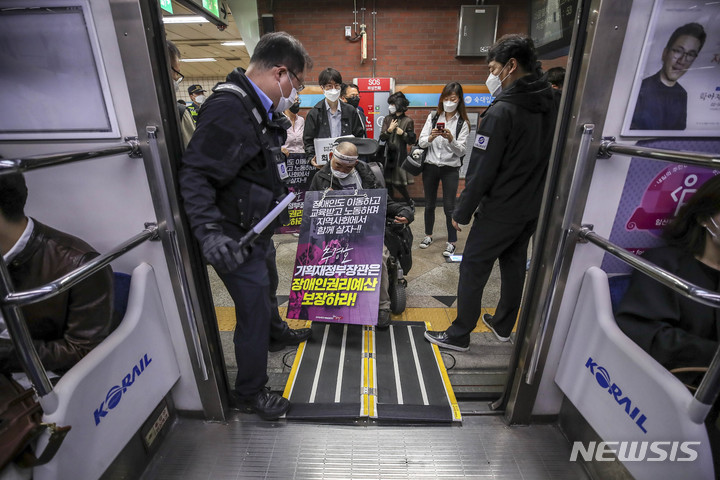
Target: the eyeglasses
(679, 52)
(331, 86)
(300, 86)
(179, 74)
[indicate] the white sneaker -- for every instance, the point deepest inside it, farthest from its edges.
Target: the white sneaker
(426, 242)
(449, 250)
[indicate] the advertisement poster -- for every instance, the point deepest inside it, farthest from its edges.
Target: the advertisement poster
(676, 91)
(339, 257)
(653, 193)
(300, 174)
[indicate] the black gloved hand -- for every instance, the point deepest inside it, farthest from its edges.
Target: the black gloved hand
(222, 252)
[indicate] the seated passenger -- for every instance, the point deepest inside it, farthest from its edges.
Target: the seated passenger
(675, 330)
(66, 327)
(344, 172)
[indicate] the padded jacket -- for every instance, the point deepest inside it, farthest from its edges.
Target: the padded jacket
(317, 125)
(66, 327)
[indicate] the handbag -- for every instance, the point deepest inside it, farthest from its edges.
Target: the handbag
(415, 161)
(21, 425)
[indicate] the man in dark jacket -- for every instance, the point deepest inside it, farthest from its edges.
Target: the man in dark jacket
(232, 175)
(66, 327)
(503, 189)
(345, 172)
(330, 118)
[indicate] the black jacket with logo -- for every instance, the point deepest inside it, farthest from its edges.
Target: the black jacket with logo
(508, 165)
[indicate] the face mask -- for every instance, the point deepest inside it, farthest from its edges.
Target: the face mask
(340, 174)
(494, 83)
(295, 108)
(200, 99)
(285, 102)
(177, 84)
(713, 234)
(332, 95)
(392, 109)
(450, 106)
(354, 101)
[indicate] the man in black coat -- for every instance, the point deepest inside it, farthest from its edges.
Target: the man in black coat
(503, 189)
(232, 175)
(330, 118)
(345, 172)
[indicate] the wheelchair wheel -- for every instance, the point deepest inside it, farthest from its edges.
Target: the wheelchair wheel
(398, 297)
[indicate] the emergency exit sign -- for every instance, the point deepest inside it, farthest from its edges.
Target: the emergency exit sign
(166, 5)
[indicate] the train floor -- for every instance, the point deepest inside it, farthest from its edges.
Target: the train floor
(431, 298)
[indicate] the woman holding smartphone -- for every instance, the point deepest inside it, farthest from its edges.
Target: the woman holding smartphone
(444, 135)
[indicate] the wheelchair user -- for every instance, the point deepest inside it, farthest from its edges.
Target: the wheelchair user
(344, 172)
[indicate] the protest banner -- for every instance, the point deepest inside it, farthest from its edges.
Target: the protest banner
(338, 263)
(300, 174)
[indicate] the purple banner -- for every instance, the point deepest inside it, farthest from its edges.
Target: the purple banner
(653, 193)
(300, 174)
(338, 264)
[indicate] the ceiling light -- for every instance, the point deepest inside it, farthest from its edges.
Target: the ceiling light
(233, 43)
(185, 19)
(191, 60)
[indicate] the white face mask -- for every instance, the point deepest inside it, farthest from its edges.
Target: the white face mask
(177, 84)
(392, 109)
(713, 234)
(332, 95)
(494, 83)
(341, 174)
(200, 99)
(285, 102)
(450, 106)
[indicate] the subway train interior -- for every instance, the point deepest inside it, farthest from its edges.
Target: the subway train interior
(90, 117)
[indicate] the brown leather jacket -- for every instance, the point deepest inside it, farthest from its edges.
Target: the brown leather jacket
(66, 327)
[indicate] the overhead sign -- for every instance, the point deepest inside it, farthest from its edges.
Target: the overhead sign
(375, 84)
(211, 9)
(166, 5)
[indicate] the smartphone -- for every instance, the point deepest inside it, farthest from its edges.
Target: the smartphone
(440, 125)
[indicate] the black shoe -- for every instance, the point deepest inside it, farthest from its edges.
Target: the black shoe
(383, 318)
(290, 338)
(268, 405)
(487, 320)
(441, 339)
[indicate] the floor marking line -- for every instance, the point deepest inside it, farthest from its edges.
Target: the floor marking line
(316, 380)
(341, 367)
(396, 367)
(417, 367)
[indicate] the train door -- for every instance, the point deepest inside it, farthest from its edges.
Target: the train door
(575, 362)
(93, 126)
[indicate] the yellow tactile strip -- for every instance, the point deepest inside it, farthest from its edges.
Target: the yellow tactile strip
(439, 318)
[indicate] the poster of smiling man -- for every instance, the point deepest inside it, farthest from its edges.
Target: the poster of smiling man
(676, 92)
(338, 264)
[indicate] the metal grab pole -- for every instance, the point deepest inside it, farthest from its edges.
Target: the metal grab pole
(608, 147)
(583, 151)
(71, 279)
(130, 147)
(668, 279)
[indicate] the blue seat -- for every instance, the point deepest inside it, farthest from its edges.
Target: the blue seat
(618, 286)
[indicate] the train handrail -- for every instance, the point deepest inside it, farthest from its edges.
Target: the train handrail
(609, 146)
(86, 270)
(131, 147)
(710, 385)
(10, 303)
(678, 284)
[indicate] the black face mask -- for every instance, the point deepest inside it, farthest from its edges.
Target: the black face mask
(354, 101)
(295, 108)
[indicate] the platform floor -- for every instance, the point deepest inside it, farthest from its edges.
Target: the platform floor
(245, 447)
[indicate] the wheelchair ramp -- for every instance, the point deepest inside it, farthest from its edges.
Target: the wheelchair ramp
(346, 372)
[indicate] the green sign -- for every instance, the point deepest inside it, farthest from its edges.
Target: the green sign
(211, 6)
(166, 5)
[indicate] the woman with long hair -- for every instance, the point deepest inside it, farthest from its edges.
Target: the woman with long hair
(675, 330)
(398, 131)
(444, 135)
